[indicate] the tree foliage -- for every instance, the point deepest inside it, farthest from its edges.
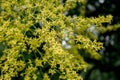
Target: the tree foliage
(33, 34)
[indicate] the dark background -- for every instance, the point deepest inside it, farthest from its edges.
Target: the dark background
(108, 68)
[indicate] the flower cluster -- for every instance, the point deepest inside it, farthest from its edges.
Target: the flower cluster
(31, 36)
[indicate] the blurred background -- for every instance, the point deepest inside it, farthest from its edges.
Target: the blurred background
(108, 68)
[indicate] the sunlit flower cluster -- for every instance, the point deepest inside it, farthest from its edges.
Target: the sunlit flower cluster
(34, 34)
